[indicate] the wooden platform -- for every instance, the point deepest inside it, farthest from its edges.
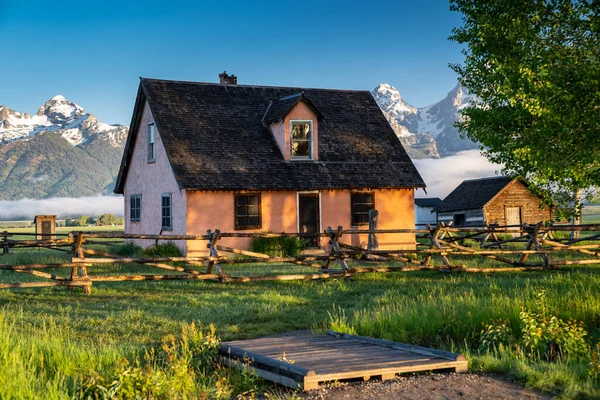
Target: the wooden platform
(302, 359)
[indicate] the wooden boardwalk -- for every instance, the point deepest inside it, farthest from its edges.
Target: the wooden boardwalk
(302, 359)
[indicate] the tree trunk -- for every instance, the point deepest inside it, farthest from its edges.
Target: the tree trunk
(576, 218)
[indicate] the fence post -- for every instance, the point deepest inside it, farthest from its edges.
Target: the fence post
(213, 252)
(5, 242)
(373, 221)
(79, 272)
(335, 248)
(434, 240)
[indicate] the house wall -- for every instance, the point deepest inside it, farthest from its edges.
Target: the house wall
(472, 217)
(424, 215)
(281, 130)
(151, 180)
(516, 194)
(215, 210)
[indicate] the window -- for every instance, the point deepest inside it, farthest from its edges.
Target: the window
(151, 139)
(247, 211)
(301, 139)
(166, 214)
(135, 207)
(361, 203)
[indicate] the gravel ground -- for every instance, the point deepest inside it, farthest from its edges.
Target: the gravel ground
(427, 386)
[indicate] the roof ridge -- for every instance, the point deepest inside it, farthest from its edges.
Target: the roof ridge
(255, 86)
(488, 178)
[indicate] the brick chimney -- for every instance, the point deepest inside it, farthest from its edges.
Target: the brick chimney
(226, 79)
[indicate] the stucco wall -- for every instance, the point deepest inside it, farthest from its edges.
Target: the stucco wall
(516, 194)
(281, 130)
(215, 210)
(151, 180)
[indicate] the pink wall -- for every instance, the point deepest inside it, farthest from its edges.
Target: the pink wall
(151, 180)
(215, 210)
(281, 130)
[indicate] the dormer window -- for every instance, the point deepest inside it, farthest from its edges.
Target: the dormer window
(301, 140)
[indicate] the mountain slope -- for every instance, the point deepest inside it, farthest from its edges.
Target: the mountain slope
(60, 151)
(435, 121)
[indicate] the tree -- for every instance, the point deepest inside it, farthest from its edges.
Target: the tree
(83, 220)
(535, 66)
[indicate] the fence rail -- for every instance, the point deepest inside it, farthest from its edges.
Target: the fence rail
(452, 246)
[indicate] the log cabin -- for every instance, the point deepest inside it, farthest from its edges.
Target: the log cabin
(248, 158)
(498, 200)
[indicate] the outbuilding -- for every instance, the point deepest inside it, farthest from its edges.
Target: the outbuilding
(500, 199)
(424, 211)
(45, 227)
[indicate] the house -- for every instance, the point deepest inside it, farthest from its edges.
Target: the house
(501, 199)
(245, 158)
(424, 213)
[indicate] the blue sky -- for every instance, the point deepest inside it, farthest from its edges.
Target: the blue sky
(93, 52)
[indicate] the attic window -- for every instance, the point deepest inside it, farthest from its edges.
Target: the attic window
(301, 140)
(151, 139)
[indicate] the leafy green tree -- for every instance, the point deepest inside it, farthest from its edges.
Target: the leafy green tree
(109, 220)
(535, 66)
(83, 220)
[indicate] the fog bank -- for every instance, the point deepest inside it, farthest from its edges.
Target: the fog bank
(443, 175)
(62, 207)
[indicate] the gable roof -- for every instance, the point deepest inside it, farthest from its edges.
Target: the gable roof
(428, 202)
(215, 139)
(473, 193)
(280, 108)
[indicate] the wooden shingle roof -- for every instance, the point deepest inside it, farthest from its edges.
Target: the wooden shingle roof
(428, 201)
(473, 194)
(215, 139)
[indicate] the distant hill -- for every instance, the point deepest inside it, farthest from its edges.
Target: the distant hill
(60, 151)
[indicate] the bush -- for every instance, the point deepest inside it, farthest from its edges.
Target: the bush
(128, 249)
(283, 246)
(168, 249)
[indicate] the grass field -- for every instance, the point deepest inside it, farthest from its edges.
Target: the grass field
(63, 344)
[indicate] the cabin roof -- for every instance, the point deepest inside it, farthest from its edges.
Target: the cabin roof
(473, 194)
(428, 202)
(215, 139)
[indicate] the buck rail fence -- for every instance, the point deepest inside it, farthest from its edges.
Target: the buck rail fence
(442, 248)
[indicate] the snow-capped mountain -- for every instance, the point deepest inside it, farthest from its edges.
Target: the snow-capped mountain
(60, 116)
(60, 151)
(436, 120)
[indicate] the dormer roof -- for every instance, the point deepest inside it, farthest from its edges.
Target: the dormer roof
(280, 108)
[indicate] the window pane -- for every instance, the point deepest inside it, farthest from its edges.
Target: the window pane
(253, 210)
(300, 149)
(301, 131)
(254, 221)
(253, 200)
(242, 200)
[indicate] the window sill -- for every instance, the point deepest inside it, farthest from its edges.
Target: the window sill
(151, 161)
(250, 228)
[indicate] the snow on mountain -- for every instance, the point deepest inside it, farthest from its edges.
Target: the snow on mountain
(63, 117)
(436, 120)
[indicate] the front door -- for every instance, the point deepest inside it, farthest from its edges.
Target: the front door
(308, 216)
(46, 230)
(513, 215)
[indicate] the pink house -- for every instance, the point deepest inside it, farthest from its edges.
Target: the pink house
(235, 157)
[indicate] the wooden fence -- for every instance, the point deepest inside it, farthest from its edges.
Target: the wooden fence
(512, 246)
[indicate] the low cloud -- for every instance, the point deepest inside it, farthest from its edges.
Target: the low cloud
(62, 207)
(443, 175)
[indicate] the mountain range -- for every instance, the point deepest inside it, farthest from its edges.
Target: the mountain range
(427, 132)
(63, 151)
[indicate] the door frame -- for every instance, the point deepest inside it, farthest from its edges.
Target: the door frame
(320, 216)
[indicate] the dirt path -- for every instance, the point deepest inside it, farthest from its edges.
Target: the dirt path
(428, 387)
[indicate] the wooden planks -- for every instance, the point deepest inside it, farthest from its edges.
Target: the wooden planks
(303, 360)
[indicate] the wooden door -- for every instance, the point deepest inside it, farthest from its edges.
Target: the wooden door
(308, 216)
(46, 230)
(513, 215)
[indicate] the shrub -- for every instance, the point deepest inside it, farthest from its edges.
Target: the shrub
(283, 246)
(168, 249)
(128, 249)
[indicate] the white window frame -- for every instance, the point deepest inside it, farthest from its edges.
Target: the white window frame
(310, 139)
(131, 197)
(163, 226)
(151, 137)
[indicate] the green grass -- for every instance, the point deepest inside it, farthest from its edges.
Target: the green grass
(55, 339)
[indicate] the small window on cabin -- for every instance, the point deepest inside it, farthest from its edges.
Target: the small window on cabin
(135, 207)
(361, 204)
(166, 212)
(247, 211)
(151, 140)
(301, 142)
